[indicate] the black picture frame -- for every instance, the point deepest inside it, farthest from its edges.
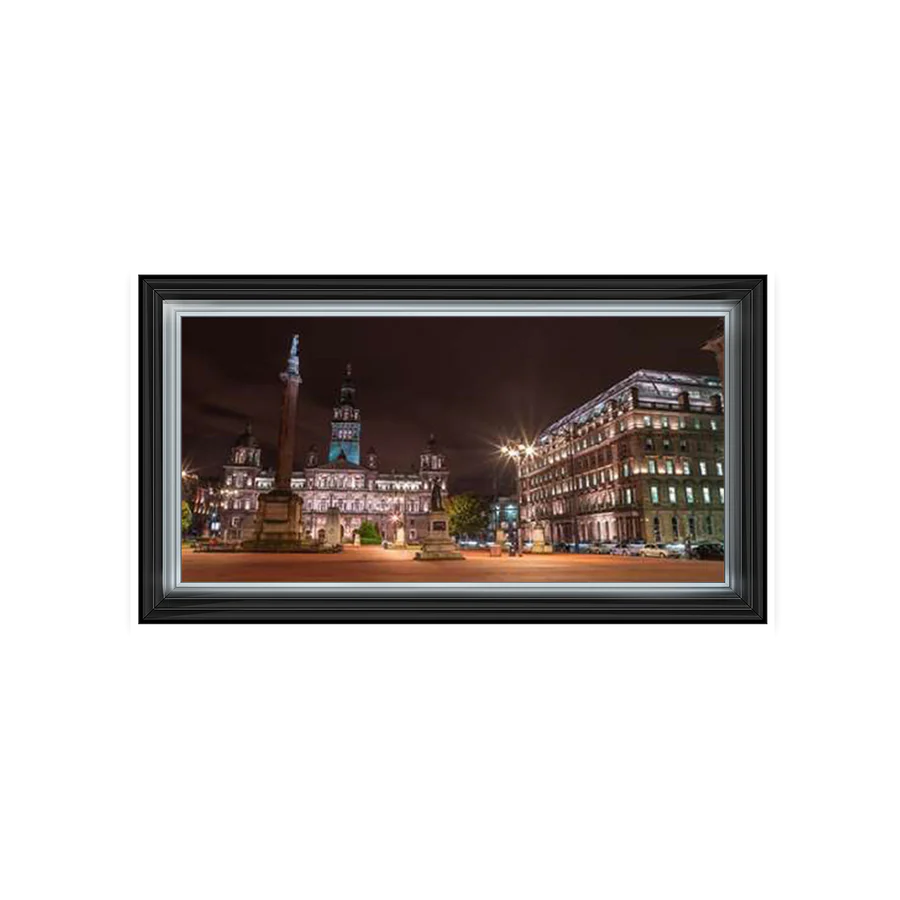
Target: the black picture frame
(743, 601)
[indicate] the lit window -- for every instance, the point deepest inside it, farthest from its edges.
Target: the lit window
(702, 466)
(670, 467)
(673, 498)
(689, 493)
(686, 467)
(721, 495)
(628, 495)
(706, 497)
(720, 470)
(651, 466)
(714, 424)
(654, 493)
(665, 421)
(647, 421)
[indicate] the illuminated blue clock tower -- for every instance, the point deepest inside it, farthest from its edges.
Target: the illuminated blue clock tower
(345, 424)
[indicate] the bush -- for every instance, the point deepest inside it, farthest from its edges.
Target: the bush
(368, 533)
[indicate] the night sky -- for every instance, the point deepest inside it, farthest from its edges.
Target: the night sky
(472, 381)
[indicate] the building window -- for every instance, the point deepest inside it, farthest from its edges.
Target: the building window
(665, 421)
(673, 497)
(706, 497)
(709, 528)
(685, 467)
(692, 527)
(651, 466)
(675, 527)
(696, 422)
(667, 444)
(648, 422)
(702, 465)
(720, 469)
(654, 493)
(670, 467)
(689, 493)
(648, 444)
(657, 530)
(721, 495)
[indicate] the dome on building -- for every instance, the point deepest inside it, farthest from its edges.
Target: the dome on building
(247, 438)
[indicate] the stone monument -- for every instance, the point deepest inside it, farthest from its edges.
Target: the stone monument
(538, 545)
(278, 525)
(333, 527)
(438, 544)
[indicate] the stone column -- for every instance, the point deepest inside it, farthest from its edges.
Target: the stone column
(278, 525)
(287, 430)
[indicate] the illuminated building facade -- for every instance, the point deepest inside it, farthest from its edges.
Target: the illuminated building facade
(644, 459)
(359, 490)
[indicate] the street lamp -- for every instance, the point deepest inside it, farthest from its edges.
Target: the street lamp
(518, 451)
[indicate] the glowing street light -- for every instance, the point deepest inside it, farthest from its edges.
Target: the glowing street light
(517, 451)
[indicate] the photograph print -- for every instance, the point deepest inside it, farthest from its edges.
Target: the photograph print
(439, 449)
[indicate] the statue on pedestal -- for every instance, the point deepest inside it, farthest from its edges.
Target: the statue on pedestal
(436, 502)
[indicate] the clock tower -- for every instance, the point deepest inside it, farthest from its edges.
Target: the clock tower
(345, 424)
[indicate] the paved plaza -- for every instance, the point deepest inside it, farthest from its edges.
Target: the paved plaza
(377, 564)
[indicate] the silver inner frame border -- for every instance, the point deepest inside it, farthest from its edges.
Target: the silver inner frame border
(173, 311)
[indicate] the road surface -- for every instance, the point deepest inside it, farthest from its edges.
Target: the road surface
(375, 564)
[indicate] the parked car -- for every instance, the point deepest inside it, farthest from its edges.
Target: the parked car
(659, 551)
(620, 548)
(633, 547)
(676, 549)
(708, 550)
(602, 547)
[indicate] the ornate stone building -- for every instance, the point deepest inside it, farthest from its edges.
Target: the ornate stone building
(644, 459)
(344, 480)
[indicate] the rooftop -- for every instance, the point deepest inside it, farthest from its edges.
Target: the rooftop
(658, 388)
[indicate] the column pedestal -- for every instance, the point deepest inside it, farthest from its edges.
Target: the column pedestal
(278, 526)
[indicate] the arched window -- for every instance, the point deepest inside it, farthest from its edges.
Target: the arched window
(675, 527)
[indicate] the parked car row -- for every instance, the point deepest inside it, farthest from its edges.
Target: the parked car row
(672, 550)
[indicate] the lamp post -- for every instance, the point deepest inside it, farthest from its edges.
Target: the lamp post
(517, 452)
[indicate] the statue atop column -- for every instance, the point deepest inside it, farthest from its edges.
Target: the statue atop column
(293, 363)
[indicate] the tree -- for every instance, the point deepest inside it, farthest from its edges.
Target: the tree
(469, 514)
(186, 516)
(368, 533)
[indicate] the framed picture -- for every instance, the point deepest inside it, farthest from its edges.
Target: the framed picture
(452, 449)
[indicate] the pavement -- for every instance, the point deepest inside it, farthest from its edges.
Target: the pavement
(372, 564)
